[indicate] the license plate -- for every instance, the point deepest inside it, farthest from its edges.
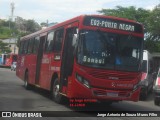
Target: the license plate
(112, 94)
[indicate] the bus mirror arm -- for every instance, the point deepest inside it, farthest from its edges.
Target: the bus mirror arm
(75, 51)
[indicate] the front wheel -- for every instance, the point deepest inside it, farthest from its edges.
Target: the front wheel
(55, 92)
(156, 101)
(144, 95)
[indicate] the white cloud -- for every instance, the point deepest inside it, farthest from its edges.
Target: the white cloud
(150, 7)
(58, 10)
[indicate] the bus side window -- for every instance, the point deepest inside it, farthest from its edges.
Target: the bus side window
(25, 48)
(58, 40)
(21, 47)
(30, 46)
(49, 42)
(36, 45)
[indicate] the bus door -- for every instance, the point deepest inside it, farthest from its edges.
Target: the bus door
(46, 58)
(68, 54)
(39, 58)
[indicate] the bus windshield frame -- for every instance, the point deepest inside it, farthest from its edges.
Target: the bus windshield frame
(106, 50)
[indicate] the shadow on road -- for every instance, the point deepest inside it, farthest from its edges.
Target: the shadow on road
(118, 106)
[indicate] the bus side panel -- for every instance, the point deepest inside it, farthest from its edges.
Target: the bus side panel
(54, 69)
(44, 73)
(31, 66)
(20, 67)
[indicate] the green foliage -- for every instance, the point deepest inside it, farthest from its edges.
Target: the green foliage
(154, 24)
(32, 26)
(5, 33)
(4, 48)
(152, 46)
(131, 13)
(17, 29)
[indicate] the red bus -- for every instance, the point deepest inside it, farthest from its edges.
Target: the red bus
(7, 59)
(10, 59)
(89, 56)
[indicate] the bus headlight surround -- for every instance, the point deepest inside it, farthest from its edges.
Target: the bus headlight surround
(135, 87)
(144, 83)
(82, 80)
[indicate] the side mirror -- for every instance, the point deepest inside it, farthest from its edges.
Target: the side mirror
(75, 36)
(74, 41)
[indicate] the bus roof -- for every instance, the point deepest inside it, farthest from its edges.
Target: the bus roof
(81, 17)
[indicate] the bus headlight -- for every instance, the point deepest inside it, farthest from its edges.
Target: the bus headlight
(135, 87)
(86, 83)
(79, 78)
(82, 80)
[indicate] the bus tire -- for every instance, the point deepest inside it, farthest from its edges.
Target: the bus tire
(26, 84)
(156, 102)
(56, 96)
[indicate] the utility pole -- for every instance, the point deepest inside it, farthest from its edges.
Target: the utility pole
(12, 12)
(12, 8)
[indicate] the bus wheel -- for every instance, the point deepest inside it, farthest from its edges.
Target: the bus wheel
(56, 96)
(156, 102)
(144, 95)
(26, 84)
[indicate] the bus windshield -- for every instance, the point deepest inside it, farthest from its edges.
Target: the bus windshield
(109, 50)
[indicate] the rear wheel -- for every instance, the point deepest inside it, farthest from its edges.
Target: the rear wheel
(55, 92)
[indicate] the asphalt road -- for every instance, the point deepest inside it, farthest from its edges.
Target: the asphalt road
(14, 97)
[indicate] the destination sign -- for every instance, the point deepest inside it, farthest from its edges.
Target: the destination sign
(113, 24)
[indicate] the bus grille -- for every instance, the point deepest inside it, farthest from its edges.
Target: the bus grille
(126, 76)
(104, 93)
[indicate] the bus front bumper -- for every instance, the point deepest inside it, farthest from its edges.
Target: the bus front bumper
(81, 91)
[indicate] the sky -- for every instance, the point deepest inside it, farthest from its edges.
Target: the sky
(61, 10)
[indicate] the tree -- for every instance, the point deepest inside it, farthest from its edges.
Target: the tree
(154, 24)
(4, 48)
(139, 15)
(27, 26)
(32, 26)
(5, 33)
(44, 24)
